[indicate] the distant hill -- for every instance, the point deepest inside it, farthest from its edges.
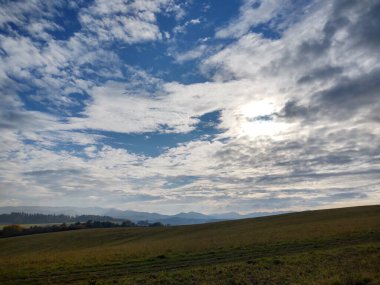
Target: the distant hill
(135, 216)
(237, 216)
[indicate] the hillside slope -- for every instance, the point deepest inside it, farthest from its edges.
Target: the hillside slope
(201, 251)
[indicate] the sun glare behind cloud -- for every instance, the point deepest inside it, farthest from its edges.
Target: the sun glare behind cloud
(258, 119)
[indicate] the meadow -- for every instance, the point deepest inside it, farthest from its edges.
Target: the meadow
(26, 226)
(337, 246)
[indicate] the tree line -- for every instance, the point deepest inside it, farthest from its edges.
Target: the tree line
(17, 230)
(26, 218)
(61, 223)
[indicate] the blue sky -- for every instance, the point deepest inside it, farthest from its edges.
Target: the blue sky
(209, 106)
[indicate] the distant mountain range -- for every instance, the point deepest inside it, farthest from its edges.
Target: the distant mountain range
(178, 219)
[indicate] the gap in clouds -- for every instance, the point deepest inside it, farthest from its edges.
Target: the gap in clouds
(153, 144)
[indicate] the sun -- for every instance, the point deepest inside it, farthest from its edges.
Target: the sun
(259, 119)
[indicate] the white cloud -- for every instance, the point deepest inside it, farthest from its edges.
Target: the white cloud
(55, 67)
(191, 54)
(252, 12)
(194, 21)
(19, 13)
(181, 29)
(129, 22)
(173, 109)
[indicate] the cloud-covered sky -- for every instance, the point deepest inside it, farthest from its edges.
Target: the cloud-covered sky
(185, 105)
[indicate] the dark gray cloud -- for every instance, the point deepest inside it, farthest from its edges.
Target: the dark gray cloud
(341, 101)
(51, 172)
(323, 73)
(179, 181)
(128, 198)
(13, 119)
(322, 156)
(304, 176)
(350, 90)
(23, 120)
(349, 95)
(348, 195)
(317, 47)
(62, 181)
(366, 30)
(293, 109)
(330, 159)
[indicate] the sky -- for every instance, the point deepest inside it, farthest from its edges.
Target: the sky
(171, 106)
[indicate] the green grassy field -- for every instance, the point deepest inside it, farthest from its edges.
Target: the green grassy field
(30, 225)
(339, 246)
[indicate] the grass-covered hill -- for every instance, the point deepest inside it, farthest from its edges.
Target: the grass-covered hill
(338, 246)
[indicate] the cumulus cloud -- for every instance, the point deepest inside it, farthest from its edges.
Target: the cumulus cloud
(191, 54)
(57, 68)
(129, 22)
(252, 12)
(277, 14)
